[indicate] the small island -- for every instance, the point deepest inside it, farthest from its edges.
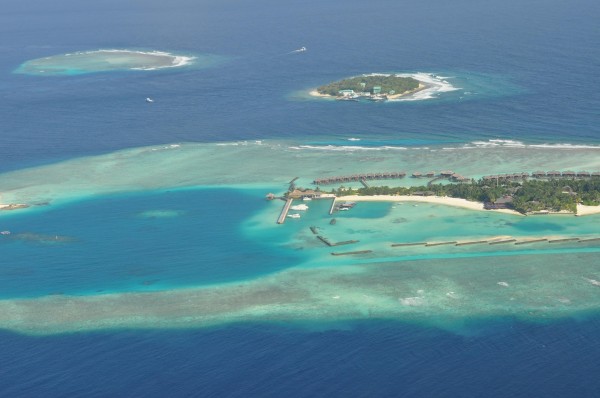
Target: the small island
(540, 192)
(376, 87)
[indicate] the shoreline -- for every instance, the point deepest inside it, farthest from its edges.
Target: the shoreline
(440, 200)
(422, 86)
(582, 210)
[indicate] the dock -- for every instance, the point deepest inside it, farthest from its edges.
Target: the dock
(332, 208)
(324, 240)
(525, 242)
(359, 177)
(453, 242)
(589, 240)
(292, 184)
(314, 230)
(352, 253)
(331, 244)
(409, 244)
(474, 242)
(499, 242)
(563, 240)
(284, 211)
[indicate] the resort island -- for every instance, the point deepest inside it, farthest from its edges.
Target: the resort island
(523, 193)
(375, 87)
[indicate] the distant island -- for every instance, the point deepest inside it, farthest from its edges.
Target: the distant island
(376, 87)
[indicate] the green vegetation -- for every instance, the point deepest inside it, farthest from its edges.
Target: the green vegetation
(389, 84)
(527, 196)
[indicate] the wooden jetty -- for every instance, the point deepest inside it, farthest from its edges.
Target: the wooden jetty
(313, 229)
(525, 242)
(409, 244)
(284, 211)
(360, 177)
(499, 242)
(332, 208)
(351, 253)
(331, 244)
(324, 240)
(542, 174)
(346, 242)
(563, 240)
(589, 240)
(475, 242)
(453, 242)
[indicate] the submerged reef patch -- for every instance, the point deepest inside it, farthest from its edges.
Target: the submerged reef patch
(428, 291)
(103, 61)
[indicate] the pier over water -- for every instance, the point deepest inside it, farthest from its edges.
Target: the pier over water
(284, 211)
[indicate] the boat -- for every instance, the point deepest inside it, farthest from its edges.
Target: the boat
(149, 100)
(295, 215)
(306, 198)
(347, 205)
(5, 233)
(347, 99)
(300, 207)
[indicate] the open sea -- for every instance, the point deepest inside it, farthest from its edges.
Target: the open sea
(239, 123)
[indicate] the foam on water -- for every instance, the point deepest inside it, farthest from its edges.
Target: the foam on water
(434, 87)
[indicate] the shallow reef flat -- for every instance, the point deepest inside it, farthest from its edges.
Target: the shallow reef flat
(192, 165)
(103, 61)
(434, 292)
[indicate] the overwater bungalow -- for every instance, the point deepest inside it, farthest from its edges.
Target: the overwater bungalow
(569, 174)
(538, 174)
(553, 174)
(583, 174)
(416, 174)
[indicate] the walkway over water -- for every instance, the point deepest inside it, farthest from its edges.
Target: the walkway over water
(362, 178)
(284, 211)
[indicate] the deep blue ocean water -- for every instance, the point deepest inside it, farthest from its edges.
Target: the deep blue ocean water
(532, 69)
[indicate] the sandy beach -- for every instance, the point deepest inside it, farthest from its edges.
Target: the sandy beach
(315, 93)
(583, 210)
(445, 200)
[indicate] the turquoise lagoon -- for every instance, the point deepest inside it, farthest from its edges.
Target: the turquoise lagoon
(151, 238)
